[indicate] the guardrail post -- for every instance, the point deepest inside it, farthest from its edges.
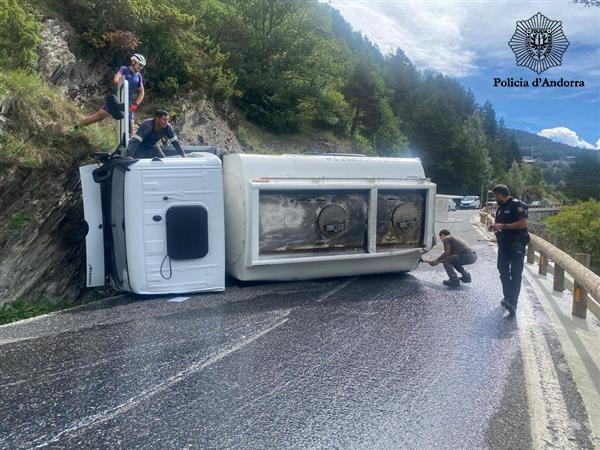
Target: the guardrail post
(559, 278)
(543, 265)
(579, 292)
(558, 275)
(530, 253)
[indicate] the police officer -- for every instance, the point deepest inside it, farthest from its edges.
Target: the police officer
(512, 236)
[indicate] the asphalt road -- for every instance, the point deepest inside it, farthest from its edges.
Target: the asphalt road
(385, 361)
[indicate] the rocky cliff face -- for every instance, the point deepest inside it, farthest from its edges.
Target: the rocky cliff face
(42, 247)
(76, 78)
(203, 125)
(41, 251)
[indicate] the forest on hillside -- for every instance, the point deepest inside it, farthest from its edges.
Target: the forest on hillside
(286, 64)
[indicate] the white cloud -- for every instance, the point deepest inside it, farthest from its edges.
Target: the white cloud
(567, 136)
(429, 35)
(464, 37)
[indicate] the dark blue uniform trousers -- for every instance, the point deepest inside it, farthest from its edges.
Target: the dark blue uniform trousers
(511, 257)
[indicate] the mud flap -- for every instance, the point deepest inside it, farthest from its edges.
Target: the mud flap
(94, 239)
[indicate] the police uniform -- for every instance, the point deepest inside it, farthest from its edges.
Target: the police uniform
(511, 249)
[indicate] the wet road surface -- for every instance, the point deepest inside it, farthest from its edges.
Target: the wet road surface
(384, 361)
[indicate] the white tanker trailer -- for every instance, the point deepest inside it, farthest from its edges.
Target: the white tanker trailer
(176, 225)
(299, 217)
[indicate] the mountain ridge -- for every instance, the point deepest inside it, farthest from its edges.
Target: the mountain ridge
(543, 148)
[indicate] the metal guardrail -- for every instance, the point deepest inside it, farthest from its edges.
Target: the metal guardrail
(492, 209)
(586, 283)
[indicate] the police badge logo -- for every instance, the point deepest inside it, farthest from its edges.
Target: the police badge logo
(539, 43)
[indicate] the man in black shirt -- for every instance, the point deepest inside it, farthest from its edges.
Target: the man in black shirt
(512, 236)
(143, 143)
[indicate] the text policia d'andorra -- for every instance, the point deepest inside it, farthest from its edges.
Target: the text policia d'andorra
(538, 82)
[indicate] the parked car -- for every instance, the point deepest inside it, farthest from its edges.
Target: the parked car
(451, 205)
(470, 202)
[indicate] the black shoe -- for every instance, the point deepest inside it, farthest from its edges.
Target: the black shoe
(512, 309)
(452, 282)
(466, 278)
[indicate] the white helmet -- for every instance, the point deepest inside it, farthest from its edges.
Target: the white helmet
(137, 58)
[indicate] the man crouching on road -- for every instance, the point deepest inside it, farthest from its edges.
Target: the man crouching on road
(457, 253)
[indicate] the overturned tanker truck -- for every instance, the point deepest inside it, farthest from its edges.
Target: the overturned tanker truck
(175, 225)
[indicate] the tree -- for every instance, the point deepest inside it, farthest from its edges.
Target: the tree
(515, 180)
(19, 36)
(363, 93)
(489, 119)
(388, 140)
(533, 184)
(583, 180)
(180, 57)
(577, 227)
(271, 43)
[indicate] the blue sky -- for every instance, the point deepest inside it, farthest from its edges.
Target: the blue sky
(468, 40)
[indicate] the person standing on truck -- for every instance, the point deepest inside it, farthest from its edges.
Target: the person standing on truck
(457, 253)
(144, 143)
(512, 237)
(111, 107)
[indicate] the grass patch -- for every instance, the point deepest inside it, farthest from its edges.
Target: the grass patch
(38, 126)
(24, 309)
(18, 221)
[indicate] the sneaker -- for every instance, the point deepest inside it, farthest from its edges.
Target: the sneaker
(452, 282)
(466, 278)
(504, 303)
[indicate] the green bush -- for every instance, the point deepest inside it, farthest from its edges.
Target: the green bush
(19, 35)
(577, 227)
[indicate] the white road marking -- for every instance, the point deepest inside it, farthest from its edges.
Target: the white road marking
(550, 424)
(178, 299)
(111, 413)
(574, 359)
(339, 287)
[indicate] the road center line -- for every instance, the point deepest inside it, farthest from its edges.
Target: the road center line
(338, 288)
